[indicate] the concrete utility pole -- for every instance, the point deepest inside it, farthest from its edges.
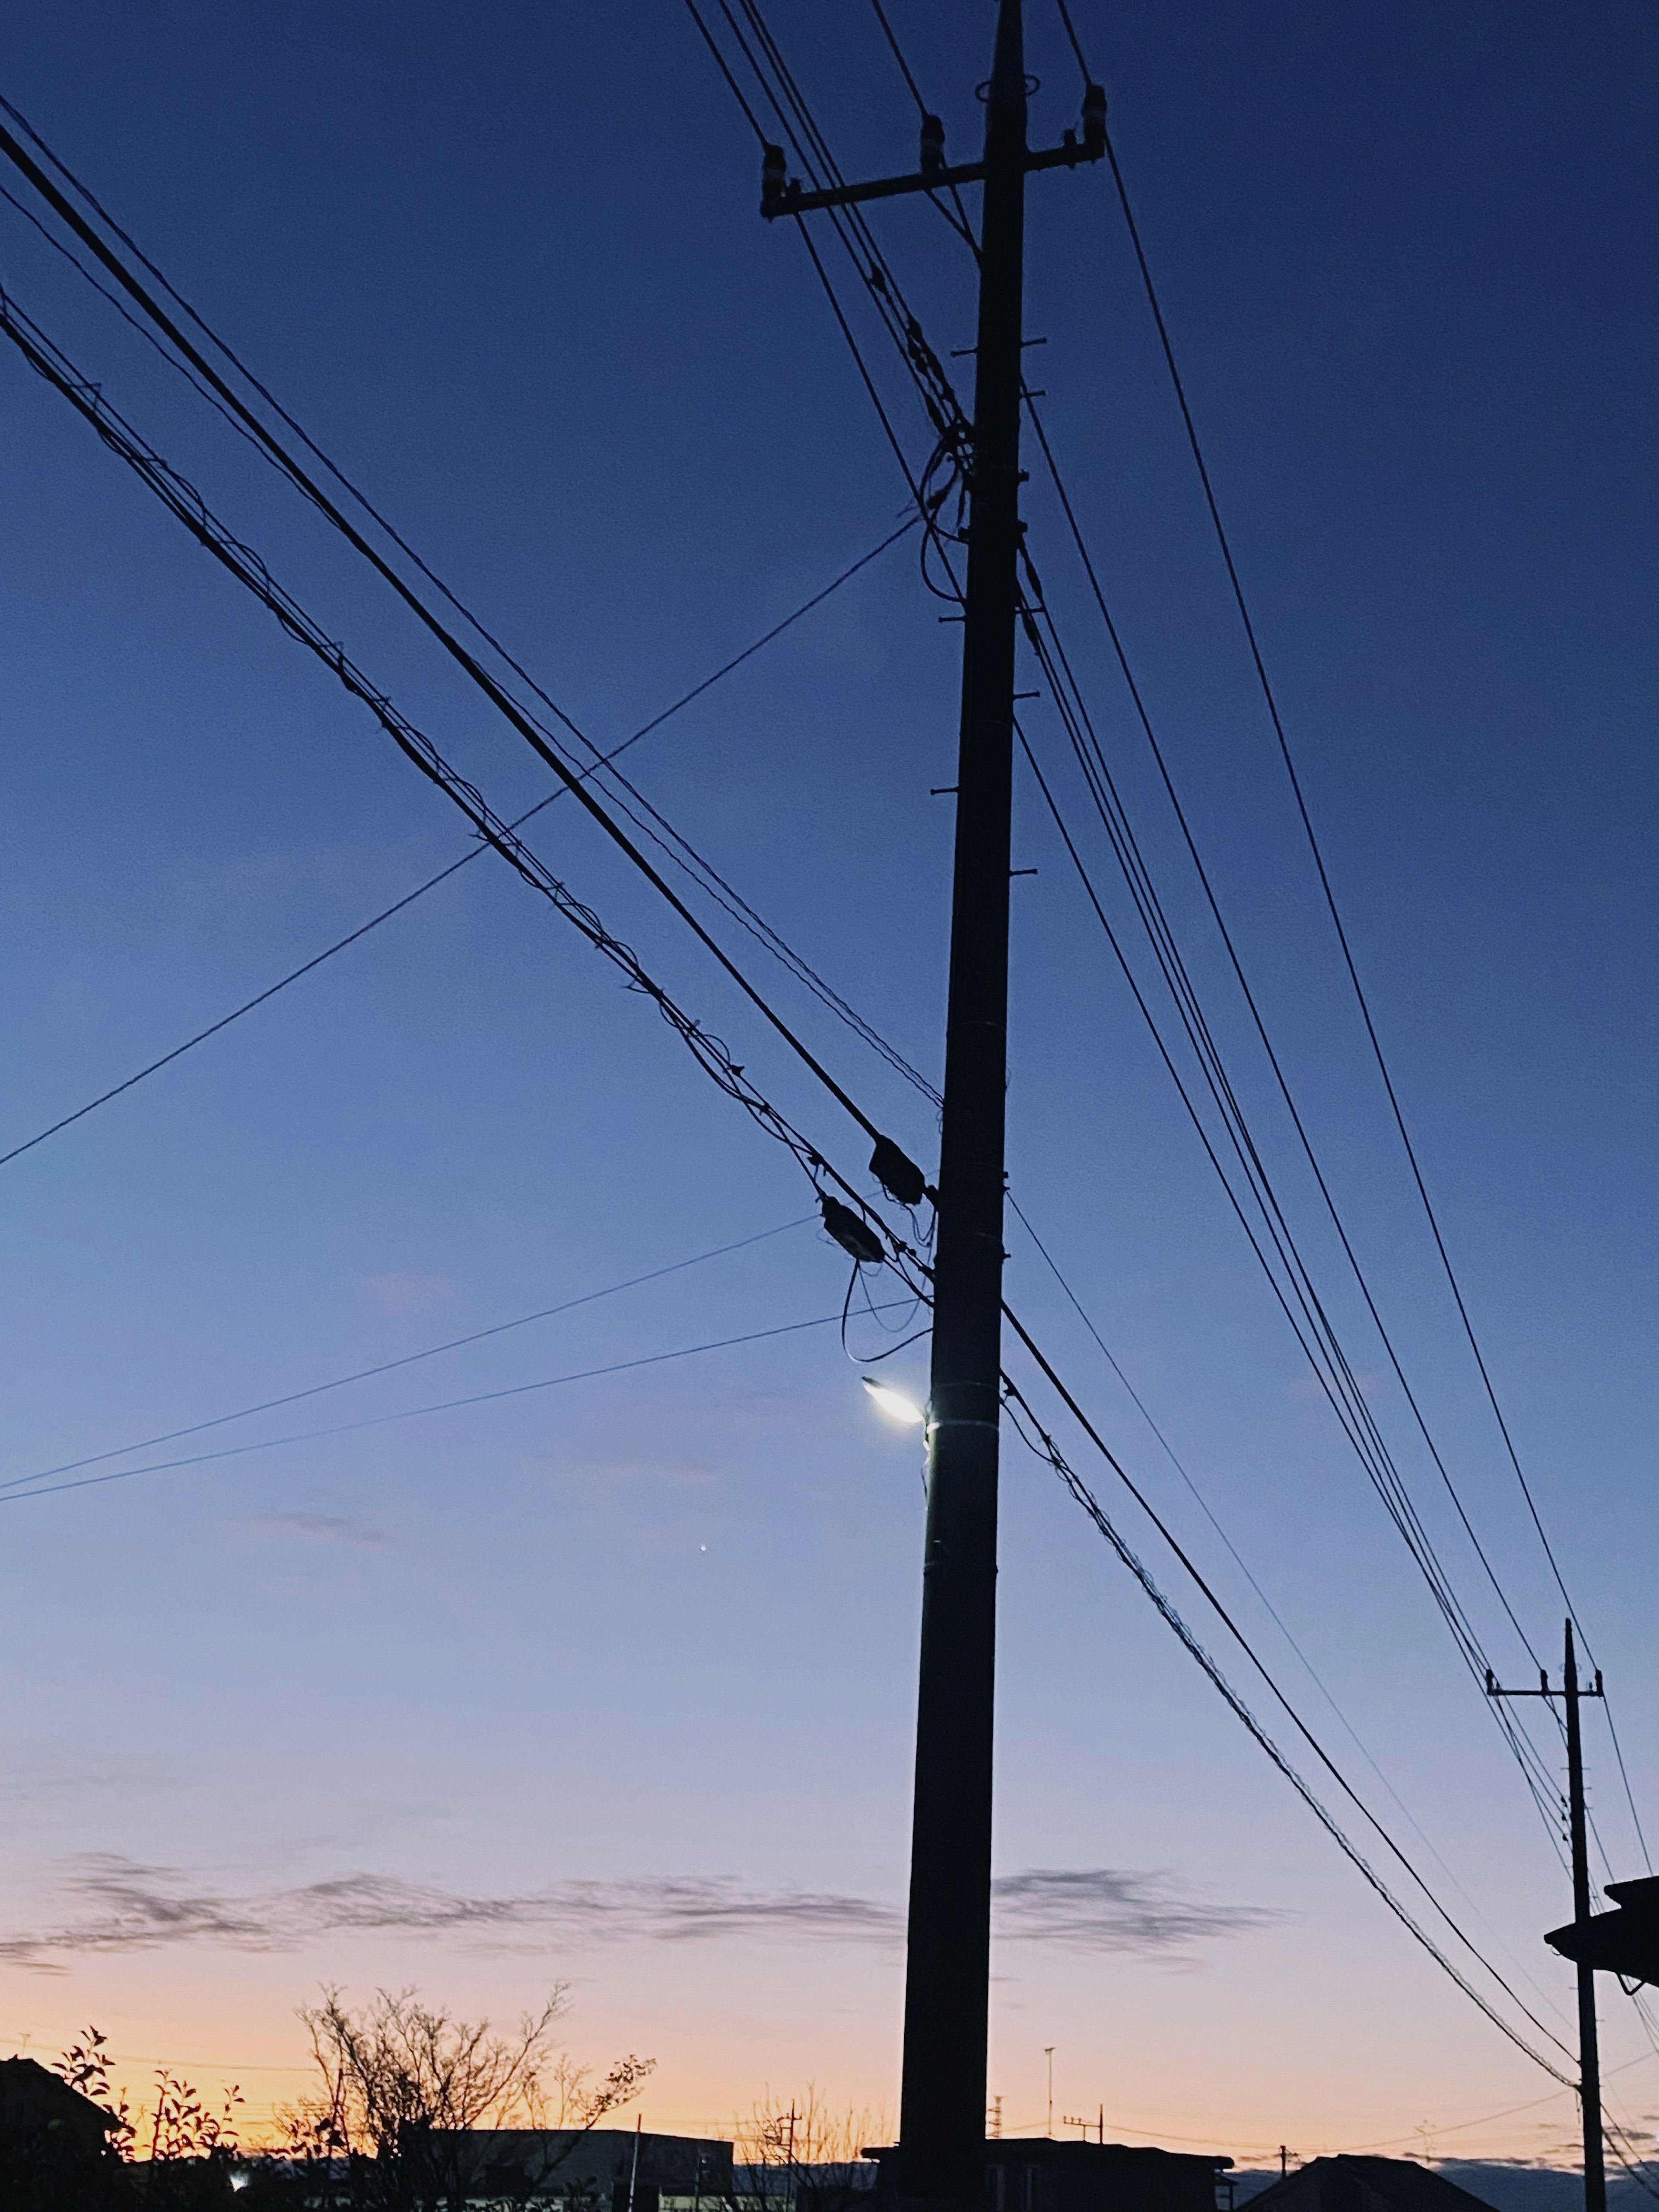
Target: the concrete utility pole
(1590, 2061)
(947, 1967)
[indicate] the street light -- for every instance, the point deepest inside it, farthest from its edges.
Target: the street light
(893, 1403)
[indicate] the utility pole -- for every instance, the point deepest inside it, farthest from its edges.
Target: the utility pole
(947, 1962)
(1589, 2063)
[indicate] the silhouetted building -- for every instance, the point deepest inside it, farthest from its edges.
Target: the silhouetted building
(1040, 2173)
(36, 2103)
(55, 2152)
(601, 2170)
(1365, 2185)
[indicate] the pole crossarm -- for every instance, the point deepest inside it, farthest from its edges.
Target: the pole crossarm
(1495, 1689)
(787, 198)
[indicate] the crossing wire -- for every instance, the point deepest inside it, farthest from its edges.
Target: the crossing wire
(187, 504)
(408, 1359)
(539, 741)
(416, 1413)
(443, 875)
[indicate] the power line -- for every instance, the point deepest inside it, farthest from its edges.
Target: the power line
(187, 504)
(1233, 1630)
(536, 739)
(1250, 1000)
(687, 856)
(443, 874)
(1336, 1377)
(415, 1413)
(410, 1359)
(1272, 1611)
(1349, 962)
(1046, 1448)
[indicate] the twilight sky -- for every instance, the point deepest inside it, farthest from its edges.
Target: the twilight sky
(612, 1682)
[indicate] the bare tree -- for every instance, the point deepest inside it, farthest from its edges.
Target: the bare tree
(402, 2081)
(803, 2156)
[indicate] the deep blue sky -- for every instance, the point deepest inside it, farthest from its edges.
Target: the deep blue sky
(504, 262)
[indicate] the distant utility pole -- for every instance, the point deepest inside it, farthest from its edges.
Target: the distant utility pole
(947, 1965)
(1048, 2053)
(1589, 2063)
(634, 2170)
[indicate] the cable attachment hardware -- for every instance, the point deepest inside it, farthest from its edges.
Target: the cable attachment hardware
(1094, 122)
(932, 145)
(898, 1174)
(855, 1237)
(775, 180)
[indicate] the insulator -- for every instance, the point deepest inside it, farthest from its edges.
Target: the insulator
(933, 144)
(775, 176)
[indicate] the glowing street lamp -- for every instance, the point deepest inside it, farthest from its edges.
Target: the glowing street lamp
(893, 1403)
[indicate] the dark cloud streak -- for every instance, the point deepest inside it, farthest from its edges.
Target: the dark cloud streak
(127, 1906)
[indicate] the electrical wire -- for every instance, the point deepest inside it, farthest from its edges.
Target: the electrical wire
(444, 874)
(1328, 1364)
(959, 223)
(415, 1413)
(1046, 1447)
(187, 504)
(1226, 1618)
(1328, 892)
(1251, 1002)
(679, 849)
(1109, 805)
(1259, 663)
(537, 737)
(409, 1359)
(1267, 1604)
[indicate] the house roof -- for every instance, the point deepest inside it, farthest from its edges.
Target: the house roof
(1365, 2185)
(31, 2096)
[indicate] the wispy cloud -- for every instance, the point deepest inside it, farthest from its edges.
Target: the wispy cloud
(1105, 1909)
(324, 1527)
(118, 1905)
